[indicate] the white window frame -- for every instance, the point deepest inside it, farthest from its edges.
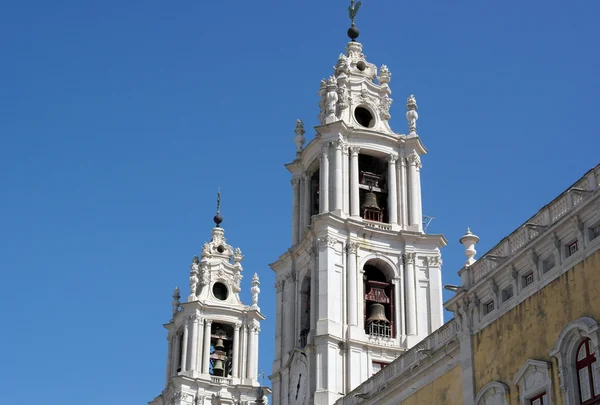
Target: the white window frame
(565, 352)
(494, 393)
(533, 379)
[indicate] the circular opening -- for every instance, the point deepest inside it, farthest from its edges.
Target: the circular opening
(361, 66)
(364, 117)
(221, 248)
(220, 291)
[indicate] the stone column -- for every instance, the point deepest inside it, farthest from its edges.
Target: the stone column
(392, 192)
(236, 354)
(295, 210)
(324, 185)
(354, 194)
(397, 309)
(338, 203)
(184, 362)
(345, 179)
(403, 187)
(414, 180)
(244, 351)
(251, 351)
(314, 294)
(170, 342)
(307, 207)
(352, 279)
(206, 360)
(411, 303)
(194, 343)
(200, 343)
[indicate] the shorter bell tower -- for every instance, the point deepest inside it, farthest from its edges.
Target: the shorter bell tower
(213, 337)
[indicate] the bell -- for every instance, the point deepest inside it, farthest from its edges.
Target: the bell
(218, 368)
(219, 345)
(377, 313)
(370, 201)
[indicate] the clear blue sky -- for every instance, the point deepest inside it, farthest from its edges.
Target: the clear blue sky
(119, 120)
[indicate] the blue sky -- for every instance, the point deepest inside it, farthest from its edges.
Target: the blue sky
(119, 120)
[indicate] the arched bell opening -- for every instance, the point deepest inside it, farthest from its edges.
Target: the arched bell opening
(305, 295)
(314, 193)
(373, 189)
(221, 349)
(378, 302)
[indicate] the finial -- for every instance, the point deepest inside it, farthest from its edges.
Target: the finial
(299, 138)
(175, 304)
(218, 218)
(411, 114)
(255, 290)
(353, 32)
(468, 241)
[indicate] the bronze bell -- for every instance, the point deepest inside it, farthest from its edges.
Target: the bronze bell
(370, 201)
(377, 313)
(218, 368)
(219, 345)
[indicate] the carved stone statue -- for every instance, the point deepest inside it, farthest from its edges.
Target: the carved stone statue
(176, 297)
(205, 250)
(384, 107)
(299, 138)
(255, 290)
(204, 276)
(411, 114)
(343, 96)
(193, 281)
(331, 100)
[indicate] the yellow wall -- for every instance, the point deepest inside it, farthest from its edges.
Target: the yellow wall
(531, 329)
(446, 390)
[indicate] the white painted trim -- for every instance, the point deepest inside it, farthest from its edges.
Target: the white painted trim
(491, 390)
(530, 388)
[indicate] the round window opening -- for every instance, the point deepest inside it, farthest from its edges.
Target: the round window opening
(220, 291)
(361, 66)
(364, 117)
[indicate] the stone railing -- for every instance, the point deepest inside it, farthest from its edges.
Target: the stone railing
(546, 217)
(403, 364)
(220, 380)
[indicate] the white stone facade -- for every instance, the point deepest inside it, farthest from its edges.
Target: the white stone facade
(347, 257)
(213, 316)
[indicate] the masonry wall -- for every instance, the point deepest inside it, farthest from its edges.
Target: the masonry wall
(531, 329)
(446, 390)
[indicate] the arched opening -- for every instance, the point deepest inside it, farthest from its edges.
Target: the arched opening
(588, 386)
(221, 348)
(305, 295)
(378, 302)
(373, 188)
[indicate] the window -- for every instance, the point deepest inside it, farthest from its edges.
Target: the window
(534, 382)
(540, 399)
(594, 231)
(527, 279)
(572, 248)
(575, 349)
(493, 393)
(377, 366)
(507, 293)
(589, 386)
(488, 307)
(548, 264)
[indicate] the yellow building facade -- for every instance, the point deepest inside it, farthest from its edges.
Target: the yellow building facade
(526, 325)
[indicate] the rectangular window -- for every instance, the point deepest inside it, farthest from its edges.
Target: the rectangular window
(488, 307)
(507, 293)
(539, 399)
(548, 264)
(572, 248)
(528, 279)
(594, 231)
(377, 366)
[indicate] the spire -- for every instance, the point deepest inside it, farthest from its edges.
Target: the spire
(218, 218)
(353, 32)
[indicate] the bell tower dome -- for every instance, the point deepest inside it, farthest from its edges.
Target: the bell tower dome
(213, 336)
(361, 282)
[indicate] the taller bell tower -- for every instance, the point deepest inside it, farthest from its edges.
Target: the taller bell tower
(361, 282)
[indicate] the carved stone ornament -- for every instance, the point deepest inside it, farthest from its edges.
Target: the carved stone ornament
(434, 261)
(384, 75)
(411, 114)
(193, 281)
(354, 150)
(343, 96)
(392, 158)
(342, 65)
(493, 286)
(322, 101)
(205, 250)
(237, 255)
(204, 274)
(331, 100)
(384, 107)
(557, 243)
(578, 224)
(414, 159)
(237, 280)
(299, 138)
(534, 258)
(326, 241)
(352, 247)
(514, 273)
(176, 297)
(279, 285)
(354, 51)
(255, 290)
(410, 257)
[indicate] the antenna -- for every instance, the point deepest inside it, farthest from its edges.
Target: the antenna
(426, 222)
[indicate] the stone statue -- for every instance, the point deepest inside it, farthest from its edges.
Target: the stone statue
(331, 100)
(411, 114)
(205, 250)
(384, 107)
(175, 303)
(299, 138)
(343, 97)
(255, 290)
(193, 281)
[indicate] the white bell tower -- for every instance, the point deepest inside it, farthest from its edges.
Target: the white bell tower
(361, 282)
(213, 337)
